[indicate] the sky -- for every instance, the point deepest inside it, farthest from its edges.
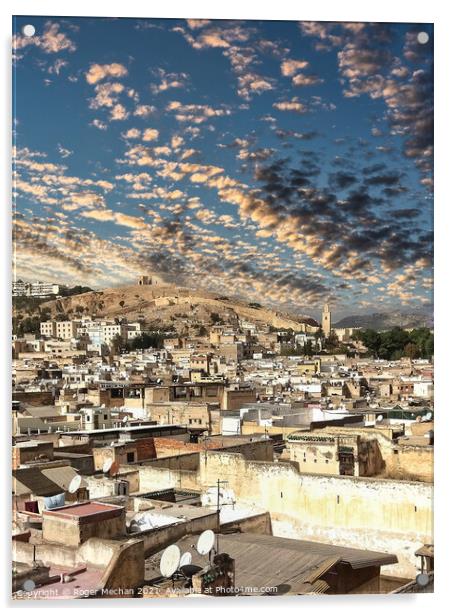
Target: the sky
(288, 163)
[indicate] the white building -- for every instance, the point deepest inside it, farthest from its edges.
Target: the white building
(34, 289)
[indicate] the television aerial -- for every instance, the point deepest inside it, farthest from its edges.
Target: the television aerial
(106, 466)
(205, 542)
(169, 563)
(74, 484)
(185, 559)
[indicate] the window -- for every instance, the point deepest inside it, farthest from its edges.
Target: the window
(130, 456)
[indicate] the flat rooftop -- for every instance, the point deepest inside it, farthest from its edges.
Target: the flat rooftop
(86, 510)
(125, 429)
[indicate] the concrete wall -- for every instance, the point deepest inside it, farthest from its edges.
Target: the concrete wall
(368, 513)
(159, 538)
(386, 515)
(34, 398)
(411, 462)
(259, 524)
(123, 561)
(22, 455)
(84, 464)
(74, 531)
(126, 568)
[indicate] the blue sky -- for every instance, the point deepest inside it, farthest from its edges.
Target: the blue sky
(283, 162)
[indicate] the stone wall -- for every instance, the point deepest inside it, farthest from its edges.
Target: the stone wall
(375, 514)
(367, 513)
(74, 531)
(411, 462)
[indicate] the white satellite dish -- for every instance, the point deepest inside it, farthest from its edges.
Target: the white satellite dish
(380, 418)
(107, 466)
(205, 542)
(185, 559)
(75, 484)
(428, 416)
(125, 420)
(169, 563)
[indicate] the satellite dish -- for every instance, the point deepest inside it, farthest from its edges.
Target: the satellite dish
(107, 466)
(205, 542)
(114, 469)
(169, 563)
(125, 420)
(185, 559)
(75, 484)
(428, 416)
(380, 418)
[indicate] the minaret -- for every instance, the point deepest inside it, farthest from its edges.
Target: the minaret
(326, 320)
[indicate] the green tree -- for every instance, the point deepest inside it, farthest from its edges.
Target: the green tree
(215, 318)
(202, 330)
(150, 340)
(411, 350)
(117, 345)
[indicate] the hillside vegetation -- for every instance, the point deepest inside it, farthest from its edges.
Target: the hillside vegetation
(162, 306)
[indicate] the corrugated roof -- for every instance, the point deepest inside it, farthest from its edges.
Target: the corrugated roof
(61, 475)
(286, 565)
(319, 587)
(356, 558)
(42, 411)
(32, 481)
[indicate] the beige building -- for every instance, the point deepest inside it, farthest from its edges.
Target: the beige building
(202, 415)
(326, 320)
(66, 330)
(48, 329)
(335, 454)
(75, 524)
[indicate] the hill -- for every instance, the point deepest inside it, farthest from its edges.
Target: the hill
(386, 320)
(165, 306)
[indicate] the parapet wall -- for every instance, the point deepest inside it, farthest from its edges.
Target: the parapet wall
(378, 514)
(362, 512)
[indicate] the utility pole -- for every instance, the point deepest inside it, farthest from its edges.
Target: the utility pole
(217, 486)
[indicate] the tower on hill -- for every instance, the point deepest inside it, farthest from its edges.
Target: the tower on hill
(326, 320)
(152, 281)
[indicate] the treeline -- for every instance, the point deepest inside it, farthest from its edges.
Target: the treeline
(77, 290)
(397, 342)
(150, 340)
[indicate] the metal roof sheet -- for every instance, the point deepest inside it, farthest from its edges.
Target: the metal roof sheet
(61, 475)
(32, 481)
(285, 565)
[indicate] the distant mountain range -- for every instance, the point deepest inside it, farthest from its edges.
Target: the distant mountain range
(387, 320)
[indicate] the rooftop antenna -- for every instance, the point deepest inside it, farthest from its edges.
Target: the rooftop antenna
(74, 485)
(170, 560)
